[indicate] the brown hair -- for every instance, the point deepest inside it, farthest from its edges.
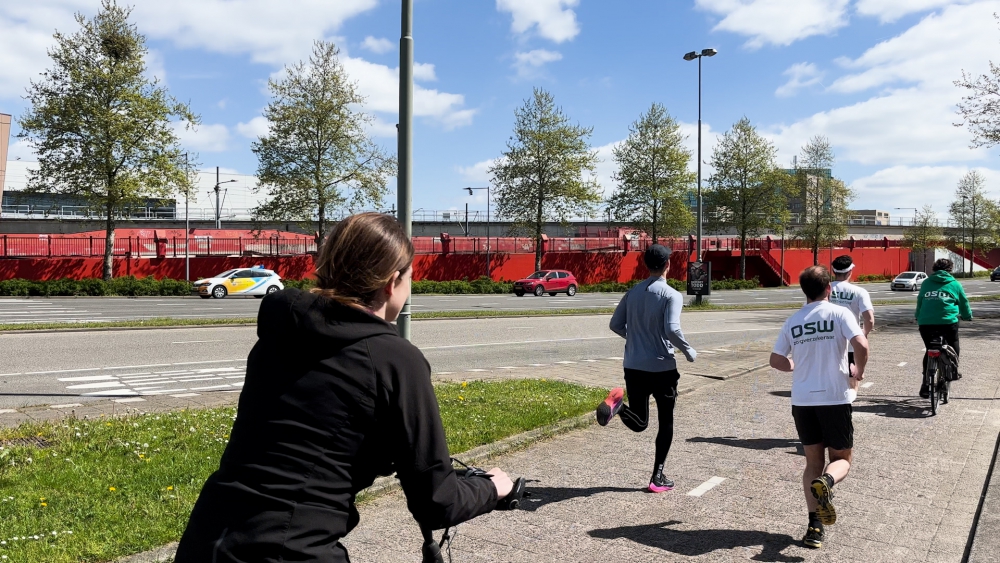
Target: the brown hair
(814, 280)
(943, 264)
(360, 257)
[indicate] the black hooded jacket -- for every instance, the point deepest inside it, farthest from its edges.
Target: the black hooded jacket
(333, 397)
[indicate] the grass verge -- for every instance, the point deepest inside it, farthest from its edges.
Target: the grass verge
(104, 488)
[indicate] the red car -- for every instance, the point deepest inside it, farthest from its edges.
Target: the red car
(547, 281)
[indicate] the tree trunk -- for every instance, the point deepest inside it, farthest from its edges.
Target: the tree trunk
(320, 225)
(109, 244)
(538, 234)
(743, 255)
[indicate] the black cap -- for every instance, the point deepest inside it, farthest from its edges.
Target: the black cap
(656, 257)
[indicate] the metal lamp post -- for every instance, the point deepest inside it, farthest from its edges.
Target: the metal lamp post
(187, 226)
(964, 204)
(404, 148)
(690, 57)
(487, 188)
(218, 200)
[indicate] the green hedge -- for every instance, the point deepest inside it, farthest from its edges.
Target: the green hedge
(864, 278)
(129, 286)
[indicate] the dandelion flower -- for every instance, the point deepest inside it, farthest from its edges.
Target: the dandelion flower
(112, 489)
(170, 488)
(465, 384)
(44, 504)
(461, 398)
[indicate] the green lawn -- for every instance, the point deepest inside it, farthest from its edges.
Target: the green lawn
(104, 488)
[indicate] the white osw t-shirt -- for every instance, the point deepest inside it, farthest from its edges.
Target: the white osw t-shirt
(855, 298)
(816, 336)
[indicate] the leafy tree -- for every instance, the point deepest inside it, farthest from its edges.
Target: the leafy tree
(316, 157)
(653, 177)
(747, 191)
(980, 106)
(974, 216)
(925, 233)
(101, 129)
(824, 198)
(540, 176)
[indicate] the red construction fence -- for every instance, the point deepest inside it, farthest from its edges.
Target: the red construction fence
(160, 254)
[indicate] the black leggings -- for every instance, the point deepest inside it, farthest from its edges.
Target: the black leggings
(948, 332)
(662, 386)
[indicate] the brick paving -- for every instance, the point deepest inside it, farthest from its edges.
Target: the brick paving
(911, 495)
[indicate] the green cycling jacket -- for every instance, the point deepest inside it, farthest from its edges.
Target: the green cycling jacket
(942, 301)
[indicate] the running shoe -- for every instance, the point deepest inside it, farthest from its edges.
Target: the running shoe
(823, 493)
(611, 406)
(660, 484)
(813, 537)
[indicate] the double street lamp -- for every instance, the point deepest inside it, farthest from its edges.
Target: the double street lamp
(690, 57)
(487, 188)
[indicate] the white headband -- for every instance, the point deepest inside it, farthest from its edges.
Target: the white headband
(844, 271)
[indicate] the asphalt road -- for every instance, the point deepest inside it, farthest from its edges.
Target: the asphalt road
(80, 309)
(75, 367)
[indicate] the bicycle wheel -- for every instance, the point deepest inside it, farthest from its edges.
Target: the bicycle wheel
(932, 385)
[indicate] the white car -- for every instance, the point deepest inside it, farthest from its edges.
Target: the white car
(909, 281)
(254, 281)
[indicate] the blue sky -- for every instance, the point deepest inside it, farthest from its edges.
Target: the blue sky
(875, 76)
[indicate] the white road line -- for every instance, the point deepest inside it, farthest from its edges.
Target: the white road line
(565, 362)
(901, 364)
(537, 365)
(185, 395)
(104, 385)
(210, 387)
(453, 346)
(7, 411)
(706, 486)
(162, 391)
(476, 370)
(867, 385)
(588, 361)
(87, 378)
(506, 367)
(614, 358)
(59, 371)
(445, 373)
(110, 393)
(65, 406)
(131, 400)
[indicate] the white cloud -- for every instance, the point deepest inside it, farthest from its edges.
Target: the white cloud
(930, 52)
(551, 19)
(478, 173)
(256, 127)
(777, 22)
(424, 71)
(528, 64)
(381, 128)
(800, 75)
(916, 186)
(203, 138)
(155, 67)
(891, 10)
(380, 85)
(26, 30)
(910, 120)
(378, 45)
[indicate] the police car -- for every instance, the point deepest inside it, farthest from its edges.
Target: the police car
(254, 281)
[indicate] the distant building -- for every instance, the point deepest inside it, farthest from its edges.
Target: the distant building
(870, 217)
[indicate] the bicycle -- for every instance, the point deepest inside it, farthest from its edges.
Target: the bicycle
(942, 369)
(431, 550)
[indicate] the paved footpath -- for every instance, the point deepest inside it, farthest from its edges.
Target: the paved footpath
(911, 496)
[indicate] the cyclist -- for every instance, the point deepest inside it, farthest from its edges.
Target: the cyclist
(855, 298)
(817, 336)
(333, 397)
(940, 304)
(649, 319)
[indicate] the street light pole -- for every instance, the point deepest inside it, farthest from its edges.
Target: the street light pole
(218, 200)
(964, 211)
(187, 222)
(404, 175)
(690, 57)
(487, 188)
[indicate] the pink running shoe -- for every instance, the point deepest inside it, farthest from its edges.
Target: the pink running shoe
(660, 484)
(611, 406)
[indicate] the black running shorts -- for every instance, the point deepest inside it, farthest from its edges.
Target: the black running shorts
(830, 425)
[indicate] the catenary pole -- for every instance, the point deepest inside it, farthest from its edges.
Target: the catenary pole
(404, 178)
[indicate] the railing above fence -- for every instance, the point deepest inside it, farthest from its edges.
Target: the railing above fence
(92, 247)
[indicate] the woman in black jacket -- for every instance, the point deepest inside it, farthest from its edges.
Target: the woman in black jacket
(333, 397)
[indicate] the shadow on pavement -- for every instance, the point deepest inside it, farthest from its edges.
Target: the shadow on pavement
(540, 496)
(752, 443)
(782, 394)
(901, 408)
(702, 542)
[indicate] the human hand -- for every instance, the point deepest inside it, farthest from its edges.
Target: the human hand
(690, 355)
(501, 481)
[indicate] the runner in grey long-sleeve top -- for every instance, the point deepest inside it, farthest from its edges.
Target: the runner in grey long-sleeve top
(649, 319)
